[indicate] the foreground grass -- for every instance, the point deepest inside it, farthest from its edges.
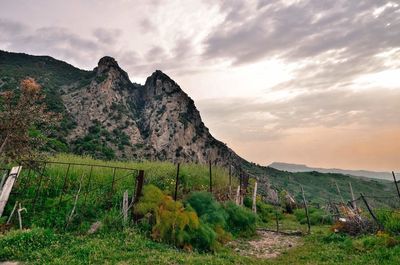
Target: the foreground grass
(39, 246)
(129, 247)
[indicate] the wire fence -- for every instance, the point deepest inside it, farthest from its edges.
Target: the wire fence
(71, 196)
(62, 195)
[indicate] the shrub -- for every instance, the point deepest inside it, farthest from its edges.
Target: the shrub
(241, 221)
(171, 222)
(207, 208)
(150, 201)
(203, 238)
(213, 216)
(390, 220)
(248, 202)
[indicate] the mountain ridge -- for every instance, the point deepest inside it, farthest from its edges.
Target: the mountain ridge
(108, 116)
(292, 167)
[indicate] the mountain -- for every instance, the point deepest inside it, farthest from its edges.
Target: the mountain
(358, 173)
(108, 116)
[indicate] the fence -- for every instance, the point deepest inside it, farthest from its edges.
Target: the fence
(60, 195)
(365, 210)
(74, 195)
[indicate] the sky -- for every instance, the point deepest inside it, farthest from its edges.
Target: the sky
(313, 82)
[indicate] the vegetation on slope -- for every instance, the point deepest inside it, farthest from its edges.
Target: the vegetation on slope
(321, 187)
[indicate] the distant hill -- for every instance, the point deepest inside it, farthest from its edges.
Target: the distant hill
(359, 173)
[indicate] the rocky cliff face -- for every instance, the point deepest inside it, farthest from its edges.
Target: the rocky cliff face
(156, 120)
(107, 116)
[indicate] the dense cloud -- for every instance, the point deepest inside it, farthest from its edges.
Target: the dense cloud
(304, 29)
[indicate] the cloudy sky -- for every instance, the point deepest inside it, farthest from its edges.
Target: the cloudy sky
(314, 81)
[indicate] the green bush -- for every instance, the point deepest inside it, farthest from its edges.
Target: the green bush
(171, 222)
(207, 208)
(248, 202)
(241, 221)
(204, 238)
(213, 223)
(390, 220)
(198, 224)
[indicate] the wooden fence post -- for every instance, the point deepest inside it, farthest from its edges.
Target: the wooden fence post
(306, 209)
(210, 176)
(353, 203)
(370, 211)
(112, 187)
(5, 192)
(240, 184)
(3, 179)
(176, 182)
(138, 192)
(254, 206)
(230, 181)
(340, 194)
(125, 206)
(237, 199)
(139, 186)
(396, 183)
(276, 215)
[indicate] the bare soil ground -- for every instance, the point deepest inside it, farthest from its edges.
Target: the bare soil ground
(266, 245)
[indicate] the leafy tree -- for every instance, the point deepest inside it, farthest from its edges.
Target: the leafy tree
(20, 114)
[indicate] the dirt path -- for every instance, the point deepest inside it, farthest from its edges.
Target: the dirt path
(266, 245)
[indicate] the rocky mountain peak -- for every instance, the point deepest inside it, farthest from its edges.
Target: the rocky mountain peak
(108, 66)
(158, 83)
(110, 117)
(106, 63)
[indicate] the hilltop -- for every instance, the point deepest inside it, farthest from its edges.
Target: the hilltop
(358, 173)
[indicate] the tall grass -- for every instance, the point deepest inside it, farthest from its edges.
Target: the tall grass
(50, 197)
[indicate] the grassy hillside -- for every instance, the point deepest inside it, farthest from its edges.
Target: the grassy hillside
(321, 187)
(52, 74)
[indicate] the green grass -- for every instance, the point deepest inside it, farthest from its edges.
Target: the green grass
(98, 194)
(40, 246)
